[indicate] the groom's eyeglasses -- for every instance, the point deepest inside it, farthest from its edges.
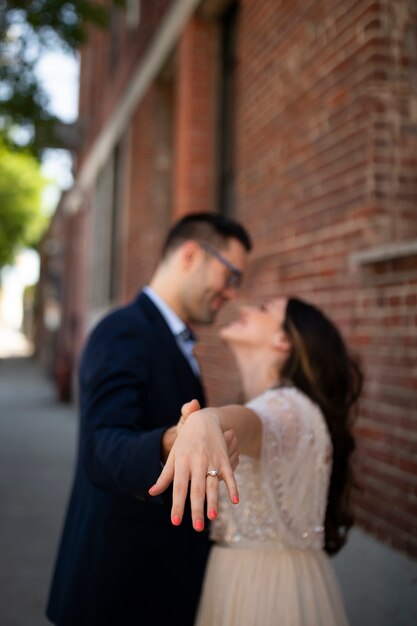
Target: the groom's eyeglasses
(235, 276)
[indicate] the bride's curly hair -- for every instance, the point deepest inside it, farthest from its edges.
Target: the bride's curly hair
(321, 367)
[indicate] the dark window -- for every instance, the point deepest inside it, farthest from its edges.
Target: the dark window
(227, 109)
(115, 37)
(115, 217)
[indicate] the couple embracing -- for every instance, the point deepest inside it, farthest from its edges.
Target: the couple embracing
(132, 554)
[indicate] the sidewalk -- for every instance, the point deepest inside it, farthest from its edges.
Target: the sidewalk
(37, 445)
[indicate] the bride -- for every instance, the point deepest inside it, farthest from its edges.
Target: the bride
(269, 564)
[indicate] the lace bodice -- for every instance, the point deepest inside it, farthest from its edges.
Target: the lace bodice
(283, 495)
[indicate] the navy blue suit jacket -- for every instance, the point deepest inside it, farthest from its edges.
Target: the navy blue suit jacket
(120, 559)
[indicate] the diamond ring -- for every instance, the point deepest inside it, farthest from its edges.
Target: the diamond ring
(212, 472)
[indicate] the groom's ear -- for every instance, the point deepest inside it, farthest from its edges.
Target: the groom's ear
(189, 251)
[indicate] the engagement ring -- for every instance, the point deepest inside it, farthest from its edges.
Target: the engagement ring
(212, 472)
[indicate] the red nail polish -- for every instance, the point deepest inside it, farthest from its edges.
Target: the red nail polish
(235, 500)
(176, 520)
(199, 525)
(212, 514)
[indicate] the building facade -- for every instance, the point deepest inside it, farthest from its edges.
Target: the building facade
(300, 120)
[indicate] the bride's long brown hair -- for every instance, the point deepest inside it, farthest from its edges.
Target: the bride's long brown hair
(321, 366)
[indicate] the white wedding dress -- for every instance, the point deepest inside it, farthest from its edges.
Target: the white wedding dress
(268, 567)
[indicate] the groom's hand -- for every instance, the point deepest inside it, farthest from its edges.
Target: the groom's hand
(167, 441)
(186, 410)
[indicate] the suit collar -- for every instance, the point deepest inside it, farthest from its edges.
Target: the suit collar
(176, 325)
(183, 370)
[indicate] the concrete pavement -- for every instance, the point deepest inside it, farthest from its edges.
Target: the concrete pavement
(37, 446)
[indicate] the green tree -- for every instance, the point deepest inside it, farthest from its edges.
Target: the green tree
(27, 28)
(21, 219)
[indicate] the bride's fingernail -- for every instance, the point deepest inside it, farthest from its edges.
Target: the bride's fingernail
(212, 514)
(176, 520)
(150, 489)
(235, 500)
(199, 524)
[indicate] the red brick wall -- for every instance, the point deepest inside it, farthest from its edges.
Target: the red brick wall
(386, 330)
(195, 124)
(326, 138)
(326, 133)
(325, 157)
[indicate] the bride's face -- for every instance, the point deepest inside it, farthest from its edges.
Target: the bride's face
(257, 326)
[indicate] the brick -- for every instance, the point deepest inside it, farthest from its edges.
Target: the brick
(325, 144)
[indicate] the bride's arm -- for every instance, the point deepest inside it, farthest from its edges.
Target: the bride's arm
(234, 417)
(200, 446)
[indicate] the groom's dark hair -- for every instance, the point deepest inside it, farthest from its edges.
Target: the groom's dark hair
(212, 228)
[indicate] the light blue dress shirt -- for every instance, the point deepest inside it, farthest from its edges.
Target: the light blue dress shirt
(178, 328)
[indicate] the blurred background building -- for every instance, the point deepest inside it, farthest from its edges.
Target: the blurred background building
(300, 120)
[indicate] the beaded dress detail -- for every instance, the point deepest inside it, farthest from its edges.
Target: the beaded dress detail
(283, 495)
(267, 567)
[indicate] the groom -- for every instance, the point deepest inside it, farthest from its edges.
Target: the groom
(120, 558)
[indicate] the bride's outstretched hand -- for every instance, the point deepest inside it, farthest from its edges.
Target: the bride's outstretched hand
(201, 455)
(229, 435)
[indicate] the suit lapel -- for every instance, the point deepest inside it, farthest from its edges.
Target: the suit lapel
(189, 382)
